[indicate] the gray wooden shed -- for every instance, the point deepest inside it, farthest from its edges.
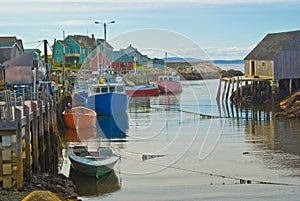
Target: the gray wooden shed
(277, 56)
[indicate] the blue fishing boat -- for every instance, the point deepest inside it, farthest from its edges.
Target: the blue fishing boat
(92, 163)
(105, 94)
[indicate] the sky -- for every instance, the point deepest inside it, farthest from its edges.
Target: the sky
(204, 29)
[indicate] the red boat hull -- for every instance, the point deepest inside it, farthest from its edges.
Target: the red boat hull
(168, 86)
(142, 91)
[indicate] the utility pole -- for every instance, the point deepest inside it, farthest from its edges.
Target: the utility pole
(46, 58)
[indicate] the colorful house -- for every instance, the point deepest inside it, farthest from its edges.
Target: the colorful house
(114, 59)
(136, 56)
(73, 50)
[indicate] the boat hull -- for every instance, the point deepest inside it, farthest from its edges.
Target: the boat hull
(108, 104)
(142, 91)
(79, 118)
(92, 166)
(168, 86)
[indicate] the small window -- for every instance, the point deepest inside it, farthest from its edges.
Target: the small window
(263, 63)
(112, 89)
(68, 42)
(57, 51)
(120, 89)
(104, 89)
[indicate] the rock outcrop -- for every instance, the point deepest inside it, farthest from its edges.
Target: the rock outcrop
(290, 107)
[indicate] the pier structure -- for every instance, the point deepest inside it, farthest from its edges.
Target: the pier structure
(29, 138)
(236, 85)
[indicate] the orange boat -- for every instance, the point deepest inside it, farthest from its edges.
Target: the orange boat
(79, 117)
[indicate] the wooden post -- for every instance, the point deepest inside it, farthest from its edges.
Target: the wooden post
(54, 136)
(228, 89)
(41, 136)
(18, 119)
(8, 109)
(224, 90)
(291, 86)
(237, 87)
(35, 139)
(28, 168)
(219, 90)
(47, 132)
(233, 81)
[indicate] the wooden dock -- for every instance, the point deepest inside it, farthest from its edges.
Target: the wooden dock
(235, 85)
(28, 138)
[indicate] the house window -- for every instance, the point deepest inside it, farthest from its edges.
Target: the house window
(57, 51)
(263, 64)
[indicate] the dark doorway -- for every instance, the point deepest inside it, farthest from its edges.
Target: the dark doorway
(252, 67)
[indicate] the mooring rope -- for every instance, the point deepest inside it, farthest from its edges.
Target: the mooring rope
(240, 180)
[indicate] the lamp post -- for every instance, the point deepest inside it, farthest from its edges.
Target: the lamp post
(104, 25)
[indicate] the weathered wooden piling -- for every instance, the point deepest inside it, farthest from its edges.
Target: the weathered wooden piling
(28, 138)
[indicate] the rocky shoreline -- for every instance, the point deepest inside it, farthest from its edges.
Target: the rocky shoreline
(290, 107)
(59, 185)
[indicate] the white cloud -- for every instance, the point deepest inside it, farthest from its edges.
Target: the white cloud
(74, 23)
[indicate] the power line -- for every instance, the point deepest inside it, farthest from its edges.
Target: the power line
(33, 42)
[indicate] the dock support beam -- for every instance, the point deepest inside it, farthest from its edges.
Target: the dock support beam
(18, 118)
(291, 86)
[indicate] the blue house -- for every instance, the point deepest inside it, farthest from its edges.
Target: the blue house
(73, 50)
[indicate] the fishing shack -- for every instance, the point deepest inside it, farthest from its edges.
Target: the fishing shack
(276, 57)
(272, 70)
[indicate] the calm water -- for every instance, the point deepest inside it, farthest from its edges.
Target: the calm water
(190, 157)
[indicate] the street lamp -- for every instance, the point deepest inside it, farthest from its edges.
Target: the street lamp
(104, 25)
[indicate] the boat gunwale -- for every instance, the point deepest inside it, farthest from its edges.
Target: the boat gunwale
(93, 163)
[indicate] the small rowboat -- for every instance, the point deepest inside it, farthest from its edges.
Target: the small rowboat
(79, 117)
(93, 163)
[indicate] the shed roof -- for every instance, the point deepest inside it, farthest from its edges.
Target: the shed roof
(107, 45)
(271, 45)
(23, 60)
(63, 43)
(118, 56)
(9, 41)
(84, 41)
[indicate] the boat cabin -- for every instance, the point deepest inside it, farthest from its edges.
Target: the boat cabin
(169, 77)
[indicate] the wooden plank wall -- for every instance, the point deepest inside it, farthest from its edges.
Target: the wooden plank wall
(27, 142)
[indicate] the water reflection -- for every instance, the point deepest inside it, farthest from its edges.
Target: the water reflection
(91, 186)
(78, 135)
(163, 101)
(278, 136)
(112, 127)
(276, 143)
(169, 101)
